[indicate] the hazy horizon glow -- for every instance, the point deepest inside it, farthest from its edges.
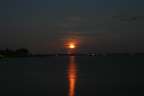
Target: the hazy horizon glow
(72, 46)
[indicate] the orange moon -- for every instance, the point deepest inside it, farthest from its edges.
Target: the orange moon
(72, 46)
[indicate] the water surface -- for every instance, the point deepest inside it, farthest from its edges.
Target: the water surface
(66, 76)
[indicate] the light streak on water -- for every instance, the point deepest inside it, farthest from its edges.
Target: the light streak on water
(72, 76)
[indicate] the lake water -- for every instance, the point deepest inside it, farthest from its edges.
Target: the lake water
(72, 76)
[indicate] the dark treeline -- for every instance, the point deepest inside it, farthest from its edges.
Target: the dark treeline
(23, 52)
(14, 53)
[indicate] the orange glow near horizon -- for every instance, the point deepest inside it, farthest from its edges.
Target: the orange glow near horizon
(72, 46)
(71, 43)
(72, 75)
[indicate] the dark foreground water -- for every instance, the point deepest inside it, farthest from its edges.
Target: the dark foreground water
(60, 76)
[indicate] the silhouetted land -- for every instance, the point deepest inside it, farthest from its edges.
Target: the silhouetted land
(23, 52)
(14, 53)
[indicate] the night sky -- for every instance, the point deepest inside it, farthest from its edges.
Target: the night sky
(43, 26)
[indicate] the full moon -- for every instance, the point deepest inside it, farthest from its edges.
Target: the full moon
(72, 46)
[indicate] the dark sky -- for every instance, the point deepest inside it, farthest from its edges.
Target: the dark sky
(44, 25)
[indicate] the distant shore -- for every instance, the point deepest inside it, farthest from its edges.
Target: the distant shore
(81, 54)
(23, 52)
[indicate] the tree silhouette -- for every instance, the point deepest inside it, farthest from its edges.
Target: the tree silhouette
(22, 52)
